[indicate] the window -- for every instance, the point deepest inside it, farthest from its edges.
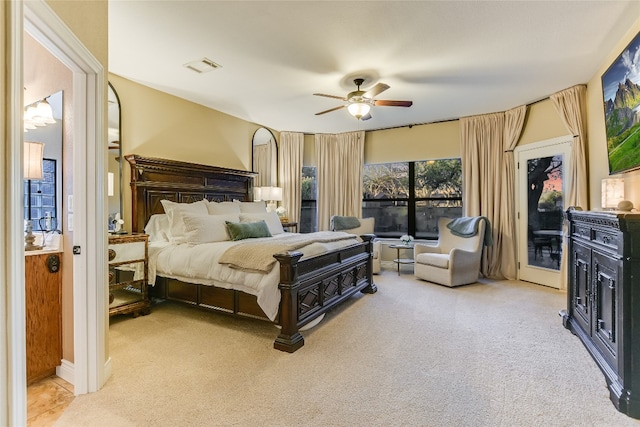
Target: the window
(43, 195)
(409, 197)
(308, 215)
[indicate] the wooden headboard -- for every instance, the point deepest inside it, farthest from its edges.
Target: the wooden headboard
(153, 180)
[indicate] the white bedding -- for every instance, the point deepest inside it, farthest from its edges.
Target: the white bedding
(198, 264)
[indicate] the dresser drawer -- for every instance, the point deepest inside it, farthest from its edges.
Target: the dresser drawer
(608, 239)
(124, 252)
(581, 231)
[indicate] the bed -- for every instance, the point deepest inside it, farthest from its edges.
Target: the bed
(309, 286)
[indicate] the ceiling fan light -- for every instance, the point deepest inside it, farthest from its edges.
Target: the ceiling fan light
(358, 109)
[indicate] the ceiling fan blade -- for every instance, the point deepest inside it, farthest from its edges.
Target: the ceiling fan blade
(388, 103)
(366, 117)
(331, 96)
(330, 110)
(376, 90)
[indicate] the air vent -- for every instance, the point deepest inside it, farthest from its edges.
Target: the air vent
(203, 65)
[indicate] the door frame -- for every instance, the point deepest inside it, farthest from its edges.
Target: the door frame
(547, 276)
(90, 367)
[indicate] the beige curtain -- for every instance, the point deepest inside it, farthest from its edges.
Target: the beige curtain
(290, 172)
(513, 124)
(571, 104)
(482, 163)
(339, 175)
(262, 163)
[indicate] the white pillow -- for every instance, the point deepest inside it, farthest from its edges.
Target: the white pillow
(271, 218)
(223, 208)
(175, 212)
(158, 228)
(207, 228)
(253, 207)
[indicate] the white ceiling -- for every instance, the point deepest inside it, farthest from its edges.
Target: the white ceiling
(451, 58)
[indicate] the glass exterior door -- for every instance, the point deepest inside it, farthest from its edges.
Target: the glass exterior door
(541, 187)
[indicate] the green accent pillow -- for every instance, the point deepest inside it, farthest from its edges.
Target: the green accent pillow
(247, 230)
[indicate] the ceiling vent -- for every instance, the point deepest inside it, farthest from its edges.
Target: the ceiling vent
(203, 65)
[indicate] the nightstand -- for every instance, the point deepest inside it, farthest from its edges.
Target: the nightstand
(128, 274)
(290, 226)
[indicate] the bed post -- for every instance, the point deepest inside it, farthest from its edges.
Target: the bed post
(371, 288)
(290, 338)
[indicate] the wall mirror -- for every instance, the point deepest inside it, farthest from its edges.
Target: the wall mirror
(114, 177)
(265, 158)
(43, 204)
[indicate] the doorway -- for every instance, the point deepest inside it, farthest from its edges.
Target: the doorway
(541, 185)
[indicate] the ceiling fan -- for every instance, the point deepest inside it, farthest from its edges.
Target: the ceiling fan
(359, 102)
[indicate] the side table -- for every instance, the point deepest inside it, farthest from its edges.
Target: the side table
(399, 260)
(290, 226)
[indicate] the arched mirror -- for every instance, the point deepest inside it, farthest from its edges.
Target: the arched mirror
(265, 158)
(114, 190)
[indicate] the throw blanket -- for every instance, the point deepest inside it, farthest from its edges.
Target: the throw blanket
(344, 222)
(468, 227)
(258, 256)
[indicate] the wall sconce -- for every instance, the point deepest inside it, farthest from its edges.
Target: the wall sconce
(612, 192)
(271, 195)
(38, 114)
(32, 158)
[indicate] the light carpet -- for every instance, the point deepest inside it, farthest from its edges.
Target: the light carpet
(413, 354)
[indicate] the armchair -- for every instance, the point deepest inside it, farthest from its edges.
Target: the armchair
(367, 226)
(454, 260)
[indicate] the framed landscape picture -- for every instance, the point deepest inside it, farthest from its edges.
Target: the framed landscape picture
(621, 89)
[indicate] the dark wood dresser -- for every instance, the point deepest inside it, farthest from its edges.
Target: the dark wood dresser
(603, 304)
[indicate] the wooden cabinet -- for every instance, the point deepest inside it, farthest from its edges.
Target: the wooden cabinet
(128, 274)
(43, 281)
(603, 304)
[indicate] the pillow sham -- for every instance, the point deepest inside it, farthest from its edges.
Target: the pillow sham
(207, 228)
(158, 228)
(271, 218)
(223, 208)
(247, 230)
(252, 207)
(175, 212)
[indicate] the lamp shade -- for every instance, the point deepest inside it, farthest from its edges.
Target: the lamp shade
(612, 192)
(110, 178)
(358, 109)
(33, 152)
(271, 194)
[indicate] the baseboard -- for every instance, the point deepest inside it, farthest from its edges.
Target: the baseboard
(66, 371)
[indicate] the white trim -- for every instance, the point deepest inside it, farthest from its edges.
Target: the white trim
(66, 371)
(89, 267)
(13, 391)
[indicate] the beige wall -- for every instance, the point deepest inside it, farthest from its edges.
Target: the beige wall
(156, 124)
(597, 150)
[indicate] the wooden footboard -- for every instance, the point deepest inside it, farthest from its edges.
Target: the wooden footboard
(309, 288)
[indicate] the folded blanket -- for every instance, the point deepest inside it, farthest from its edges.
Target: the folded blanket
(468, 227)
(344, 222)
(257, 256)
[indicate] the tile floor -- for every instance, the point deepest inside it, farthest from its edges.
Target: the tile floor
(47, 400)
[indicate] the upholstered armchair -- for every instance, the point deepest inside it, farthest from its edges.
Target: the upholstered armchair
(367, 226)
(454, 260)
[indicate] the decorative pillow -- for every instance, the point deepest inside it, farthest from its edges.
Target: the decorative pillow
(175, 212)
(207, 228)
(247, 230)
(252, 207)
(158, 228)
(223, 208)
(339, 223)
(271, 218)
